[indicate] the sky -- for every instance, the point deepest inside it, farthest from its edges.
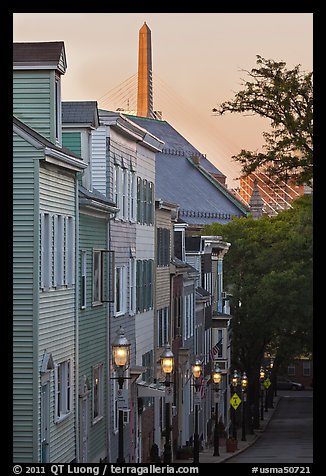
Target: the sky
(199, 60)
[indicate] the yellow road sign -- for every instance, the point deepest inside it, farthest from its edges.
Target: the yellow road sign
(235, 400)
(267, 383)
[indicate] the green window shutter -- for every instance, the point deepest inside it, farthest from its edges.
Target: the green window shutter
(138, 199)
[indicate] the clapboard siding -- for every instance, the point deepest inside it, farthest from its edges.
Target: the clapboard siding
(99, 172)
(24, 306)
(57, 190)
(162, 287)
(57, 310)
(93, 328)
(33, 101)
(144, 334)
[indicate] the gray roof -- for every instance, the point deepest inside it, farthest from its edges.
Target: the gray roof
(174, 142)
(80, 112)
(202, 199)
(94, 195)
(48, 52)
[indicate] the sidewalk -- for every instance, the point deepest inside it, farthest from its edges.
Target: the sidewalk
(206, 456)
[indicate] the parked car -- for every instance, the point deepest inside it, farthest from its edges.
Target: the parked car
(284, 383)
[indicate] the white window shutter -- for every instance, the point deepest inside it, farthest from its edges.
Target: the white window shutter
(42, 258)
(56, 403)
(55, 250)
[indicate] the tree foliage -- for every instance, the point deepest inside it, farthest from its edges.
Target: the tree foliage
(285, 97)
(268, 271)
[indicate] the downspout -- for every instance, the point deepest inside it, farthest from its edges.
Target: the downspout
(77, 317)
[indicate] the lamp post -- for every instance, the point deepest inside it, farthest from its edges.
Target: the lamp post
(121, 362)
(216, 377)
(167, 361)
(196, 372)
(244, 384)
(266, 391)
(261, 379)
(235, 382)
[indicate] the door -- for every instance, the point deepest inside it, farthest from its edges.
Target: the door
(45, 423)
(84, 419)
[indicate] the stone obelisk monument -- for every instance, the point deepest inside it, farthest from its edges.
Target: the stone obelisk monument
(145, 86)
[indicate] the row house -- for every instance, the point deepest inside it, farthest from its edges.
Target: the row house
(45, 251)
(123, 168)
(95, 291)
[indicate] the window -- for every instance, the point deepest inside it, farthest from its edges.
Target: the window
(133, 196)
(144, 285)
(147, 376)
(306, 368)
(70, 251)
(132, 286)
(117, 190)
(97, 278)
(163, 327)
(83, 280)
(163, 246)
(58, 252)
(98, 393)
(291, 369)
(220, 343)
(62, 390)
(124, 191)
(145, 201)
(57, 246)
(120, 307)
(46, 250)
(188, 315)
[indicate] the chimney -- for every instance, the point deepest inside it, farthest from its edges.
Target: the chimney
(195, 159)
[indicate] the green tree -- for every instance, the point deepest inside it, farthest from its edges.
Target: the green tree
(268, 271)
(285, 97)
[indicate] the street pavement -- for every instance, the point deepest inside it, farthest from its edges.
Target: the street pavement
(288, 438)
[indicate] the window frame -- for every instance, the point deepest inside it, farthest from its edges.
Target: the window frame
(83, 284)
(99, 368)
(63, 390)
(121, 291)
(97, 302)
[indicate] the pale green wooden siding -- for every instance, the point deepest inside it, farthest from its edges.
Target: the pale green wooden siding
(24, 307)
(57, 191)
(72, 141)
(33, 100)
(57, 312)
(93, 326)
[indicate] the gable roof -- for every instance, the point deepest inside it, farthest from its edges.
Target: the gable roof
(61, 155)
(174, 142)
(201, 198)
(80, 112)
(44, 55)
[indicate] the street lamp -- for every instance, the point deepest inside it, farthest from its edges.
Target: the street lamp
(121, 362)
(262, 378)
(235, 383)
(167, 361)
(196, 372)
(216, 377)
(244, 384)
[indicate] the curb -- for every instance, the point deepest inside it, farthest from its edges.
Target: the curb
(257, 435)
